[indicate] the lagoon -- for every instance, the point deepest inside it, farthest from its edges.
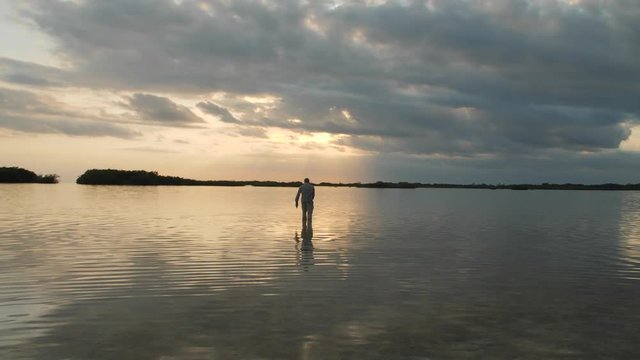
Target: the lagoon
(125, 272)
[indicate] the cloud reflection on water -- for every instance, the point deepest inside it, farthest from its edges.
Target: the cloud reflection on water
(213, 272)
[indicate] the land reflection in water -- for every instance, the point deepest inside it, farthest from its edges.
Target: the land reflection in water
(128, 272)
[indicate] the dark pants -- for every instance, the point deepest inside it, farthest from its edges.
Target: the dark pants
(307, 209)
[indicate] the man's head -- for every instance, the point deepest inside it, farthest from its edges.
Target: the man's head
(306, 180)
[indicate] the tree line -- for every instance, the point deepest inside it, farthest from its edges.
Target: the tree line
(17, 175)
(152, 178)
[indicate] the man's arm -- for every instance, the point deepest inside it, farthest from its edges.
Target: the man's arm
(298, 195)
(313, 193)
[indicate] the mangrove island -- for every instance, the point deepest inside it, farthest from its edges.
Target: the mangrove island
(16, 175)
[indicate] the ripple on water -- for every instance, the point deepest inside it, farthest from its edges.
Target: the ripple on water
(152, 272)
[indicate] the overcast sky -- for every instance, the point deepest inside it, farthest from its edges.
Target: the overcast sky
(455, 91)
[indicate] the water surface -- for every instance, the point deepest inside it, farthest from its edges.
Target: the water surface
(227, 273)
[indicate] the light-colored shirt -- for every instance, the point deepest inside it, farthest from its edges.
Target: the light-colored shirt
(307, 191)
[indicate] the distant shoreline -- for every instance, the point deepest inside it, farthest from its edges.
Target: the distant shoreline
(16, 175)
(152, 178)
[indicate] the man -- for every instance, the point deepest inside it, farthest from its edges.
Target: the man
(308, 192)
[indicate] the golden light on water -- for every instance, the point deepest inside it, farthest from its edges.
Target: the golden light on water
(630, 236)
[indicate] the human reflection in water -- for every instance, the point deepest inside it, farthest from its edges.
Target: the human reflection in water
(304, 248)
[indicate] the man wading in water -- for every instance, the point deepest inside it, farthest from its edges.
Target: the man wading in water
(308, 192)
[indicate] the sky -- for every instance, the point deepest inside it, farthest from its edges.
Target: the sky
(458, 91)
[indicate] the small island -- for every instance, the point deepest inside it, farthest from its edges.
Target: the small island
(16, 175)
(142, 177)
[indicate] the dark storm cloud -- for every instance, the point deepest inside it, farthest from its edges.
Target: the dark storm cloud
(162, 110)
(449, 77)
(27, 112)
(554, 166)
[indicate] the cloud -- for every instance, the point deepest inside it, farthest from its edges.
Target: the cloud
(149, 149)
(27, 112)
(453, 78)
(161, 110)
(63, 126)
(223, 114)
(555, 166)
(30, 74)
(253, 132)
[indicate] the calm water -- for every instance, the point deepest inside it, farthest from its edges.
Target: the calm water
(216, 273)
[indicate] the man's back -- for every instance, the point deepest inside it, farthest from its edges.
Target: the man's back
(307, 191)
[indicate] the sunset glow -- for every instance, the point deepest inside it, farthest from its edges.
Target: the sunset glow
(185, 86)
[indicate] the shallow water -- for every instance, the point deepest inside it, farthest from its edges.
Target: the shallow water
(227, 273)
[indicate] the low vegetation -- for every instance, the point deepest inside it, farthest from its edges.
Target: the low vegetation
(141, 177)
(18, 175)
